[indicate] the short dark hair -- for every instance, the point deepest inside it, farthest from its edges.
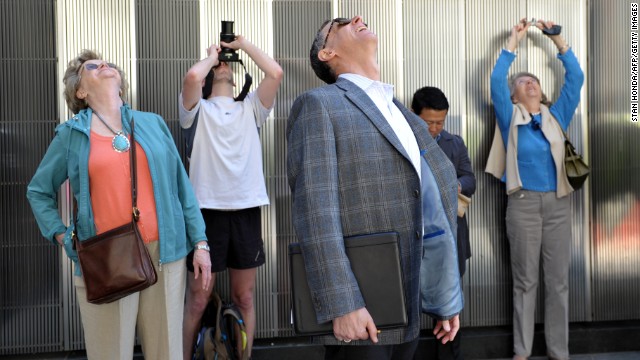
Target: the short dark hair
(321, 68)
(429, 97)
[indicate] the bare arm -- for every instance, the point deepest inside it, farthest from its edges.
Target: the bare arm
(192, 82)
(518, 32)
(273, 72)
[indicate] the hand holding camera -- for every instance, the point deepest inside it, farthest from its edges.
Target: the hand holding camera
(519, 31)
(229, 42)
(213, 51)
(548, 27)
(236, 44)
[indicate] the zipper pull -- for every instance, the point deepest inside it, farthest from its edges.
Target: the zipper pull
(159, 265)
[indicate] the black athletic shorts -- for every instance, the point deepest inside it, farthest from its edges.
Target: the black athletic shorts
(235, 239)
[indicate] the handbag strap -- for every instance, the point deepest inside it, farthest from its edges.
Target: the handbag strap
(134, 184)
(134, 175)
(564, 133)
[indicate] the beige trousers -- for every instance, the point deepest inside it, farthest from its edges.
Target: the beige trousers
(156, 312)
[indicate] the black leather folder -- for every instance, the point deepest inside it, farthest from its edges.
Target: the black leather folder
(375, 262)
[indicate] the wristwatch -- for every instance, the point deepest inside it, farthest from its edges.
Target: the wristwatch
(203, 247)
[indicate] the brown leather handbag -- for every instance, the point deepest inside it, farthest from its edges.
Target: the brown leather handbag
(116, 263)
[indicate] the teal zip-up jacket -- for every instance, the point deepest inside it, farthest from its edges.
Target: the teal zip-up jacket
(180, 223)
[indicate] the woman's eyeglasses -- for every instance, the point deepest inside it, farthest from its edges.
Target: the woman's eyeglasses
(340, 22)
(93, 66)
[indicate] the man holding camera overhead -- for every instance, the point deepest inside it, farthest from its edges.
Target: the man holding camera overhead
(225, 168)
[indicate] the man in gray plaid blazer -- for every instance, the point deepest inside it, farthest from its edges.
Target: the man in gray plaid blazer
(359, 163)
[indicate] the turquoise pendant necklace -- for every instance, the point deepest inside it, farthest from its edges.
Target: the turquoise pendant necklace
(120, 142)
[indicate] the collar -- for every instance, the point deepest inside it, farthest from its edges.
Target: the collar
(222, 99)
(444, 135)
(82, 120)
(367, 84)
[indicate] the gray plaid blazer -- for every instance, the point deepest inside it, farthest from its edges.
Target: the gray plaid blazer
(349, 175)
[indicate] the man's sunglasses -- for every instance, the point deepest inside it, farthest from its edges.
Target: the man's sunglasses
(340, 22)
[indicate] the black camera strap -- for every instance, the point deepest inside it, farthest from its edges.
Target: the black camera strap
(248, 80)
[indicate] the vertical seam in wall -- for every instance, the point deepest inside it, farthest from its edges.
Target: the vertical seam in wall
(586, 198)
(462, 62)
(399, 86)
(133, 63)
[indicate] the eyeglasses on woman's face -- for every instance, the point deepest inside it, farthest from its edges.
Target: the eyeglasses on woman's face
(94, 66)
(90, 66)
(524, 80)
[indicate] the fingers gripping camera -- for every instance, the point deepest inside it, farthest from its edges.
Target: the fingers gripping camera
(227, 35)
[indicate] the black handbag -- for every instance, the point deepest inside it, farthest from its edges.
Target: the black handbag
(116, 263)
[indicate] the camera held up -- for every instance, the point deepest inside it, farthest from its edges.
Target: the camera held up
(227, 35)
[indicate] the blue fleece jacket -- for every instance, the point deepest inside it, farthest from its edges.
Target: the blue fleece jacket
(180, 223)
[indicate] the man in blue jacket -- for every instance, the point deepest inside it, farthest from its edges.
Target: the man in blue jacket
(432, 106)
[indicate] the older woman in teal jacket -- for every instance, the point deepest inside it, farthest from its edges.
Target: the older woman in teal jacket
(93, 90)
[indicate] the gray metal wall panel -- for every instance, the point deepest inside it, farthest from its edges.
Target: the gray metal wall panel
(433, 57)
(452, 44)
(487, 284)
(29, 272)
(615, 160)
(167, 44)
(295, 25)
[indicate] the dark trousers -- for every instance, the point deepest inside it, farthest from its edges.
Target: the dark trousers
(403, 351)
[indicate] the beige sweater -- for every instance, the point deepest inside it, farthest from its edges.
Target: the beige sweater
(501, 158)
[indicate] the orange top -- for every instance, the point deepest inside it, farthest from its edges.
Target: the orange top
(110, 188)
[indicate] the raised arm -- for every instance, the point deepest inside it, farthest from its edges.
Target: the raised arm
(272, 71)
(518, 32)
(567, 102)
(192, 82)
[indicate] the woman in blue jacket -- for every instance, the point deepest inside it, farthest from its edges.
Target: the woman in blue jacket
(92, 151)
(528, 154)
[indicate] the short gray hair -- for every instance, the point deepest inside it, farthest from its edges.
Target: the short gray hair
(71, 80)
(512, 86)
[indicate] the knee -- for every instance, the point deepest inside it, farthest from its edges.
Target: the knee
(197, 301)
(243, 299)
